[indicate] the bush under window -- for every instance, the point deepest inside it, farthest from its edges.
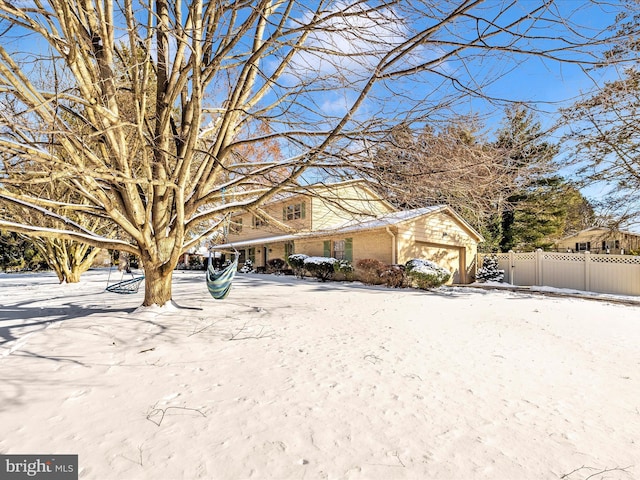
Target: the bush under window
(320, 267)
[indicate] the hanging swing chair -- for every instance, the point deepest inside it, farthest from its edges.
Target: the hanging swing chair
(125, 287)
(219, 282)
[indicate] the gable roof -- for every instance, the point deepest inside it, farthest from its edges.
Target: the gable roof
(382, 221)
(602, 230)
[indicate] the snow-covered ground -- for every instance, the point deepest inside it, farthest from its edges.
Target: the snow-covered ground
(296, 379)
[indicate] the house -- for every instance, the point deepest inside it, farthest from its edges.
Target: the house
(348, 220)
(601, 240)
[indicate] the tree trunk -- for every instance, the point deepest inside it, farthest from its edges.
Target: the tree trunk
(73, 275)
(157, 285)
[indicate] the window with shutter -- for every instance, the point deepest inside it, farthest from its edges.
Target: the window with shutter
(294, 212)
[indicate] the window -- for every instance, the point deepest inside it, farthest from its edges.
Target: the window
(235, 226)
(294, 212)
(583, 247)
(251, 255)
(258, 222)
(339, 249)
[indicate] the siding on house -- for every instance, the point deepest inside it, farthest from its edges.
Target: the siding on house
(441, 238)
(276, 210)
(348, 203)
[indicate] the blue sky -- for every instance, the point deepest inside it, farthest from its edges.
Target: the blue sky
(542, 84)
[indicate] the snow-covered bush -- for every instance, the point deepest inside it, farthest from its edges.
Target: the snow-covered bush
(489, 271)
(247, 267)
(344, 269)
(320, 267)
(426, 274)
(296, 262)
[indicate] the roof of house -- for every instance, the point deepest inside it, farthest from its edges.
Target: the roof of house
(381, 221)
(600, 230)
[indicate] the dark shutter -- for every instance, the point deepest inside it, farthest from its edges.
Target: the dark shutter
(348, 249)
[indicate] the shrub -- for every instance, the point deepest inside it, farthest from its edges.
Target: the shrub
(195, 263)
(296, 262)
(368, 271)
(344, 269)
(320, 267)
(489, 271)
(247, 267)
(275, 265)
(393, 275)
(425, 274)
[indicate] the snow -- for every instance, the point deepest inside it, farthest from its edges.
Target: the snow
(319, 260)
(291, 378)
(427, 267)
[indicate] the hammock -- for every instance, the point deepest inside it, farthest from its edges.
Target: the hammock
(219, 283)
(126, 286)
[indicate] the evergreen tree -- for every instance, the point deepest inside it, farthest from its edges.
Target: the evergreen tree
(489, 272)
(19, 253)
(526, 153)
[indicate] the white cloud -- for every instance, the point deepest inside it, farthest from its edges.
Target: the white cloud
(350, 40)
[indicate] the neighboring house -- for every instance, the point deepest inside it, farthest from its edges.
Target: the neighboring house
(350, 221)
(600, 240)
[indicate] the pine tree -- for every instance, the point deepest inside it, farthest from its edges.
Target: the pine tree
(489, 271)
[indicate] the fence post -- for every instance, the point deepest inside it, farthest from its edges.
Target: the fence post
(587, 271)
(512, 266)
(539, 266)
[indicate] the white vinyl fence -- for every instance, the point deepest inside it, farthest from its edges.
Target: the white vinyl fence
(616, 274)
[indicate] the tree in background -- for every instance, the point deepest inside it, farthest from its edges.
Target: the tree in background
(604, 130)
(528, 155)
(606, 133)
(545, 212)
(148, 103)
(508, 190)
(19, 253)
(454, 165)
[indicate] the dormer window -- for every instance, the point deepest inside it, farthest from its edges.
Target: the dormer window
(258, 222)
(293, 212)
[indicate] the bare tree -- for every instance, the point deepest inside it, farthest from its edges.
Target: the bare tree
(150, 103)
(455, 165)
(606, 135)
